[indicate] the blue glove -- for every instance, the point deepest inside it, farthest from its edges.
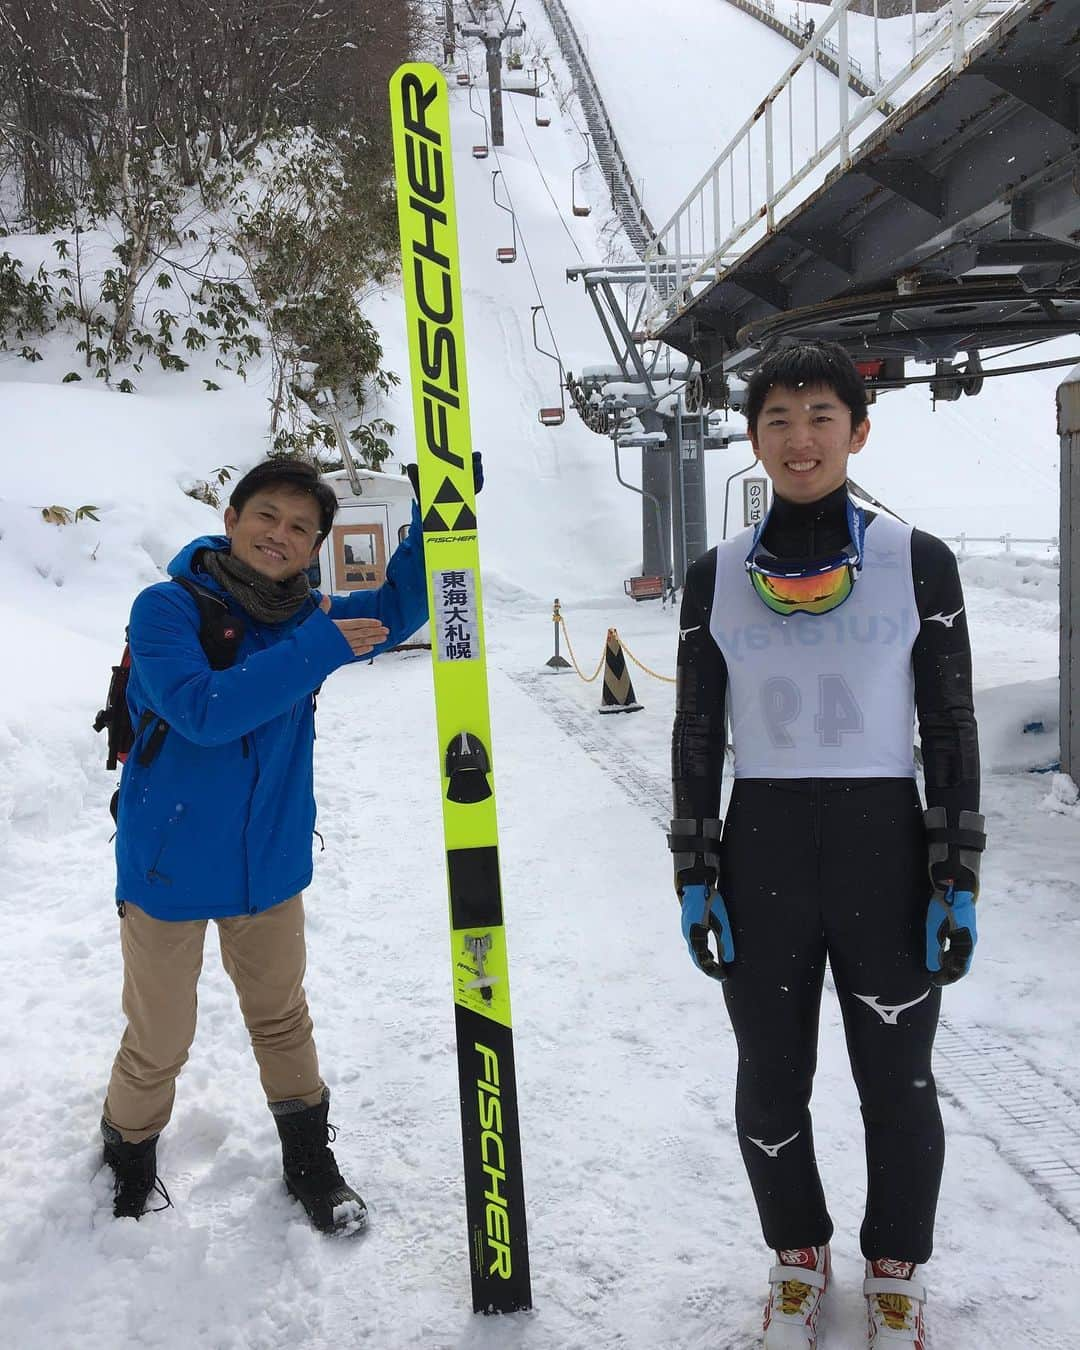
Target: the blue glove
(950, 935)
(704, 912)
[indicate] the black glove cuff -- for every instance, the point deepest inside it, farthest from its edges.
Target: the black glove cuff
(695, 848)
(955, 850)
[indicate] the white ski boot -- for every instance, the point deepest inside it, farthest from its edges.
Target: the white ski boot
(796, 1285)
(894, 1306)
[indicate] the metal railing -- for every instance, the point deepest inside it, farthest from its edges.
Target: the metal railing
(780, 149)
(1006, 539)
(624, 194)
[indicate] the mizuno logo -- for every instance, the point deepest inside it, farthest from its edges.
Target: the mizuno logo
(773, 1149)
(685, 632)
(947, 619)
(889, 1012)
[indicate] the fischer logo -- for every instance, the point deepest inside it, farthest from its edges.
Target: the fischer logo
(493, 1161)
(425, 167)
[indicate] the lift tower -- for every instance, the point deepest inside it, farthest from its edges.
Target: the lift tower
(493, 29)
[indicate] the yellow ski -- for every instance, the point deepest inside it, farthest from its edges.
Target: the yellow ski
(494, 1190)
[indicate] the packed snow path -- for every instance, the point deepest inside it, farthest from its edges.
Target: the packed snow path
(641, 1225)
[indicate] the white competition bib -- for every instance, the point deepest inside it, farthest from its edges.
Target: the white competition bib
(822, 695)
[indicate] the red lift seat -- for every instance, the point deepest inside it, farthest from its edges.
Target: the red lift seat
(552, 417)
(644, 588)
(506, 255)
(479, 152)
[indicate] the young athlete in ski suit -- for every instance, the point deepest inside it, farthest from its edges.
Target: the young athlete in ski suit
(217, 822)
(823, 631)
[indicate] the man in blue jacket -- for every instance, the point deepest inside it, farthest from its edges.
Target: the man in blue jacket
(216, 814)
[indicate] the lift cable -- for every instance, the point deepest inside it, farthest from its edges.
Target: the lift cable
(547, 185)
(525, 250)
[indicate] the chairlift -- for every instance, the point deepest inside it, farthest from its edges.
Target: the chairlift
(644, 588)
(545, 120)
(507, 253)
(464, 78)
(550, 417)
(580, 210)
(479, 151)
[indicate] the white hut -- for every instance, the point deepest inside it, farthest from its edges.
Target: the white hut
(368, 526)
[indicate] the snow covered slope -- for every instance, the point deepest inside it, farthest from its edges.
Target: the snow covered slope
(642, 1228)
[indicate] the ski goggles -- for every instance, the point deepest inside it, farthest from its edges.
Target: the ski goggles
(810, 586)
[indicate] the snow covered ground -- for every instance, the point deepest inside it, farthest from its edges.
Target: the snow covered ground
(642, 1230)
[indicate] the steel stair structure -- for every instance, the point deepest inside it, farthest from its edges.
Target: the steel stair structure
(624, 195)
(764, 11)
(949, 230)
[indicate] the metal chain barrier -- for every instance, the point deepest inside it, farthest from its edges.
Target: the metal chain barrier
(560, 622)
(587, 678)
(667, 679)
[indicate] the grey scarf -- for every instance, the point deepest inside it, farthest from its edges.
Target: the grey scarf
(265, 600)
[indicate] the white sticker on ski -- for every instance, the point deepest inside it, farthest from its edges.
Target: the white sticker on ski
(456, 635)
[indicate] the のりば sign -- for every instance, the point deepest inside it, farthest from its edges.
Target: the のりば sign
(755, 500)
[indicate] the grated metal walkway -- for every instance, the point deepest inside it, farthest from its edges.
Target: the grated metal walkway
(624, 195)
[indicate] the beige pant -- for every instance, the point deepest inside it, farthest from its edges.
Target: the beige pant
(265, 957)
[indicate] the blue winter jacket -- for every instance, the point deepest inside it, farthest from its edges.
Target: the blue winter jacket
(220, 823)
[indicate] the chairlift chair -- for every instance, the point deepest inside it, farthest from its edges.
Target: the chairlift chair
(550, 417)
(480, 151)
(644, 588)
(545, 120)
(581, 210)
(463, 77)
(508, 252)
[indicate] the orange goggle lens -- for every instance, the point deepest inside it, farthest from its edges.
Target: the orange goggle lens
(808, 595)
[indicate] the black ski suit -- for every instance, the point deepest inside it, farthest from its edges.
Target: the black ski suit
(816, 868)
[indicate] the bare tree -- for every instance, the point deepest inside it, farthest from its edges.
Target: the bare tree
(90, 84)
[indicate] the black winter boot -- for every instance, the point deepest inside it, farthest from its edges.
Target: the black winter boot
(134, 1168)
(311, 1171)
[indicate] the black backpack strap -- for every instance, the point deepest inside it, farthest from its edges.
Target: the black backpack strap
(220, 630)
(220, 634)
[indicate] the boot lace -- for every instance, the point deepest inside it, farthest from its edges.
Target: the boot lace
(793, 1294)
(895, 1311)
(315, 1157)
(125, 1180)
